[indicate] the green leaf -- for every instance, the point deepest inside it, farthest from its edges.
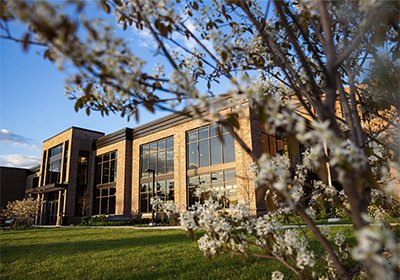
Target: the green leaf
(88, 111)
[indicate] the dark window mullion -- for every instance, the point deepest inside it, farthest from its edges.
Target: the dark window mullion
(102, 170)
(222, 150)
(109, 170)
(209, 151)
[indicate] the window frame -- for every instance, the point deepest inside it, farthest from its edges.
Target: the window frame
(167, 171)
(146, 178)
(223, 183)
(54, 154)
(99, 176)
(210, 136)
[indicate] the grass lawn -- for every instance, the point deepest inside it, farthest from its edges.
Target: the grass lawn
(99, 253)
(112, 253)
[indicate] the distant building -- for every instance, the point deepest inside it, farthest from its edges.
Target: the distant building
(13, 182)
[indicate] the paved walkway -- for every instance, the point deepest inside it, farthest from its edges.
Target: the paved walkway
(131, 227)
(178, 227)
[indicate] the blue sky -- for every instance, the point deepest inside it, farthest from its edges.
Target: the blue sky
(33, 106)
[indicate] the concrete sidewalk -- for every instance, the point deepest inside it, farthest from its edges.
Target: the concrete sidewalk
(130, 227)
(178, 227)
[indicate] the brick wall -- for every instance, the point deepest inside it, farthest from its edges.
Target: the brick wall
(244, 179)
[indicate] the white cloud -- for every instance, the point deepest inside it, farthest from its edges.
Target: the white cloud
(143, 38)
(191, 43)
(8, 137)
(18, 160)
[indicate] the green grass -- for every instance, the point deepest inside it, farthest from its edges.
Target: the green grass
(123, 253)
(98, 253)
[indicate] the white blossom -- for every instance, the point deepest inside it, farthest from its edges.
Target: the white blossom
(277, 275)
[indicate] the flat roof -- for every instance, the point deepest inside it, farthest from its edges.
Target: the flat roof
(77, 128)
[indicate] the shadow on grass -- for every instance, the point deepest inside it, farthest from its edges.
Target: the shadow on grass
(78, 246)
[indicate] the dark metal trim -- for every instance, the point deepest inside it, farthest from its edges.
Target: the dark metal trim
(47, 188)
(115, 137)
(75, 128)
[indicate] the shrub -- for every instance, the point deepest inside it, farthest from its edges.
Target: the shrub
(136, 217)
(21, 211)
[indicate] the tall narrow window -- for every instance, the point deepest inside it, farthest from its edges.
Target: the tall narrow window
(157, 156)
(81, 194)
(65, 164)
(53, 171)
(42, 178)
(105, 191)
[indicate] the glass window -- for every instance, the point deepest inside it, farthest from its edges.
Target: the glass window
(105, 200)
(153, 147)
(224, 181)
(152, 164)
(144, 187)
(204, 153)
(192, 136)
(192, 156)
(159, 156)
(170, 190)
(144, 202)
(145, 166)
(163, 188)
(205, 148)
(193, 181)
(229, 148)
(230, 175)
(161, 144)
(216, 151)
(216, 178)
(64, 175)
(170, 161)
(54, 165)
(106, 172)
(161, 163)
(144, 149)
(106, 168)
(170, 143)
(215, 130)
(203, 133)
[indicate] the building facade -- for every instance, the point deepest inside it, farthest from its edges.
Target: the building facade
(86, 172)
(13, 182)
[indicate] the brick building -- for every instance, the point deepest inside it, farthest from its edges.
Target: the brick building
(85, 172)
(13, 182)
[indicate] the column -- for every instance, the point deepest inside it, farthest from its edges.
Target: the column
(64, 203)
(41, 209)
(58, 222)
